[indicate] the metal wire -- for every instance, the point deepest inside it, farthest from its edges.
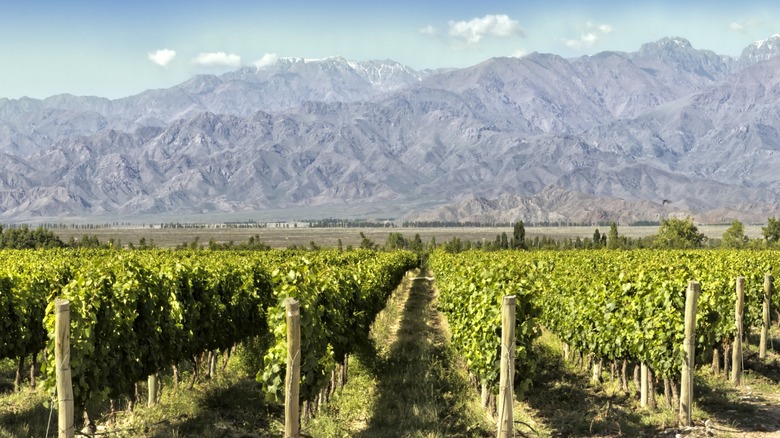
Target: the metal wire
(51, 411)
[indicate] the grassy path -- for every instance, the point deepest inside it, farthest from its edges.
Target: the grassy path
(410, 383)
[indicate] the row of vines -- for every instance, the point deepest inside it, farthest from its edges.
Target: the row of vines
(609, 305)
(136, 313)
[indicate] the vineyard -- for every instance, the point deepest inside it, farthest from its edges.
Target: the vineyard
(139, 315)
(618, 307)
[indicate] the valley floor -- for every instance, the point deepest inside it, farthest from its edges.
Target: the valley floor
(283, 237)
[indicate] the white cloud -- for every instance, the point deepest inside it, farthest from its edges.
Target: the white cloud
(745, 26)
(472, 31)
(429, 30)
(590, 37)
(266, 60)
(216, 59)
(737, 27)
(519, 53)
(162, 57)
(587, 39)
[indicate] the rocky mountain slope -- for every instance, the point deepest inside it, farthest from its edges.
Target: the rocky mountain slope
(609, 135)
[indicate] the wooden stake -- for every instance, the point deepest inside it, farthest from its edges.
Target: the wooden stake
(650, 389)
(736, 366)
(175, 377)
(507, 379)
(152, 384)
(595, 377)
(209, 355)
(293, 378)
(32, 369)
(766, 321)
(62, 361)
(643, 386)
(689, 347)
(213, 364)
(484, 394)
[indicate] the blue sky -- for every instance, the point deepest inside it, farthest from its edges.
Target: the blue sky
(115, 49)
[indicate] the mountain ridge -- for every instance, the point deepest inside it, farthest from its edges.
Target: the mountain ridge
(665, 122)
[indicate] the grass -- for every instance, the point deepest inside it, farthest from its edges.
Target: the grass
(23, 414)
(409, 382)
(562, 402)
(232, 404)
(751, 407)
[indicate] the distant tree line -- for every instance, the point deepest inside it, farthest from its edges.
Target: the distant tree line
(24, 238)
(672, 234)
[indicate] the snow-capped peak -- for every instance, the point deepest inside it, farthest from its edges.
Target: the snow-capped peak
(761, 50)
(769, 42)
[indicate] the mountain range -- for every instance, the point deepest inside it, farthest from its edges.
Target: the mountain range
(604, 137)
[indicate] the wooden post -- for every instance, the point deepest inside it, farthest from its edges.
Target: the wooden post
(595, 377)
(689, 347)
(152, 384)
(62, 361)
(213, 364)
(643, 384)
(766, 321)
(292, 380)
(736, 361)
(650, 389)
(507, 379)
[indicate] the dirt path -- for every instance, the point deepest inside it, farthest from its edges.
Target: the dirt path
(414, 383)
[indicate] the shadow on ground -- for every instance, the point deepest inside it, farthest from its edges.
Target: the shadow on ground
(747, 408)
(237, 410)
(418, 394)
(569, 406)
(30, 420)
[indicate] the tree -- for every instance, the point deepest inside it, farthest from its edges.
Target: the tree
(735, 237)
(771, 231)
(596, 238)
(24, 238)
(504, 241)
(679, 233)
(366, 243)
(395, 241)
(613, 241)
(417, 243)
(518, 236)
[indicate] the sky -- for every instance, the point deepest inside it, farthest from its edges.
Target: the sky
(119, 48)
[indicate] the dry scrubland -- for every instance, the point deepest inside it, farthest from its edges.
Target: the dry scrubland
(328, 237)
